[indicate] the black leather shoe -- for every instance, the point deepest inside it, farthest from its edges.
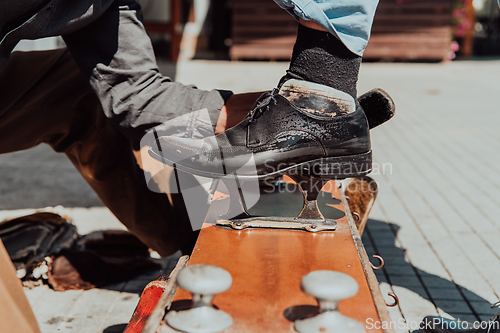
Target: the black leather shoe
(303, 128)
(432, 324)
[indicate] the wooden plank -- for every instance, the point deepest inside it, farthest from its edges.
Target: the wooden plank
(434, 5)
(390, 53)
(373, 284)
(416, 30)
(417, 9)
(413, 23)
(414, 2)
(260, 52)
(410, 29)
(285, 40)
(413, 17)
(409, 38)
(246, 18)
(254, 5)
(155, 299)
(258, 9)
(267, 267)
(268, 29)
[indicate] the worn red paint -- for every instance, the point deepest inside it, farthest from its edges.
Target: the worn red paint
(149, 298)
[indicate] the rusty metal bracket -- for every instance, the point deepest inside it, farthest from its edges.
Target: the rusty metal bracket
(382, 262)
(280, 223)
(355, 217)
(396, 300)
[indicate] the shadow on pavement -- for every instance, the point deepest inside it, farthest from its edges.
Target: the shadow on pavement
(115, 328)
(458, 301)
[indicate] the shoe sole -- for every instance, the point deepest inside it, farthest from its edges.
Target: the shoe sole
(339, 167)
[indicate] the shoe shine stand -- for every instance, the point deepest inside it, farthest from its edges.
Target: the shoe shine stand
(285, 278)
(305, 274)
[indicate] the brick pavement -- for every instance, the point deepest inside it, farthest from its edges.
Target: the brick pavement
(439, 206)
(435, 221)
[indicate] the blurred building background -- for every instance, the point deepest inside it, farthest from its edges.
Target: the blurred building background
(486, 28)
(403, 30)
(258, 29)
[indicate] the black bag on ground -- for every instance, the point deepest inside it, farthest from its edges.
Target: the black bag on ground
(44, 245)
(32, 238)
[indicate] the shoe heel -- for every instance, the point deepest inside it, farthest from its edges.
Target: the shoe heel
(340, 167)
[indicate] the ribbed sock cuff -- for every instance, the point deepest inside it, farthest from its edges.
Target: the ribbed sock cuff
(320, 57)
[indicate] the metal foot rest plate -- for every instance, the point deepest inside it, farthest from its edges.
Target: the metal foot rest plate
(280, 223)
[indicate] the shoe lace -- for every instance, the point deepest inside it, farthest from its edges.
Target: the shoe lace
(262, 104)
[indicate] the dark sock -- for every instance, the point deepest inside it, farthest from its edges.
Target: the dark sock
(320, 57)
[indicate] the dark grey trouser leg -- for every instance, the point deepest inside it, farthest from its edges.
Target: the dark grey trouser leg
(44, 98)
(116, 54)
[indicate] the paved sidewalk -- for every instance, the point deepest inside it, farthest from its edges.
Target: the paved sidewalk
(436, 218)
(435, 222)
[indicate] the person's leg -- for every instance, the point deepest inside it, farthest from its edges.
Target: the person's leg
(311, 123)
(331, 38)
(45, 99)
(349, 21)
(116, 56)
(15, 311)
